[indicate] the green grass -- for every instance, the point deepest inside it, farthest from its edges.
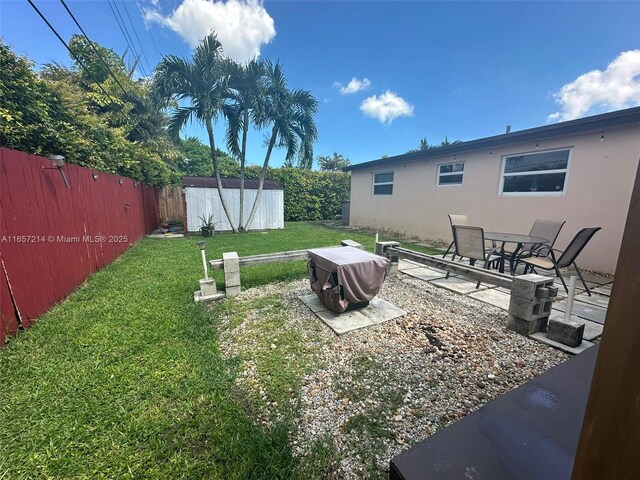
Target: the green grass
(125, 378)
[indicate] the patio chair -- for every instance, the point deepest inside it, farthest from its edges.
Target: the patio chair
(455, 220)
(469, 242)
(549, 229)
(566, 258)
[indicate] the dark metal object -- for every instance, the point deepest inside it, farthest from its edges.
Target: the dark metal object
(518, 239)
(529, 433)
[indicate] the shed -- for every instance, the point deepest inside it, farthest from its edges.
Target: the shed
(202, 199)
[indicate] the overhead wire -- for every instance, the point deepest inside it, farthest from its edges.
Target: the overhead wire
(144, 55)
(125, 33)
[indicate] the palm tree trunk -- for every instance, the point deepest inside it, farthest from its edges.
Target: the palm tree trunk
(243, 153)
(216, 171)
(272, 142)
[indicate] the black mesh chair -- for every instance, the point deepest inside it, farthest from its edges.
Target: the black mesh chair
(469, 243)
(566, 258)
(455, 220)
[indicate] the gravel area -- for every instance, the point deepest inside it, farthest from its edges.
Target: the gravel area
(375, 392)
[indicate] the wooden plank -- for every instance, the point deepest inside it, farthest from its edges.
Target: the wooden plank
(485, 276)
(610, 437)
(290, 256)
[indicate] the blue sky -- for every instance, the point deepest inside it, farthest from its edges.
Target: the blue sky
(455, 69)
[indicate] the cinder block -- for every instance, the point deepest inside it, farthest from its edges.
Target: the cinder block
(351, 243)
(232, 291)
(542, 293)
(529, 309)
(208, 287)
(525, 286)
(567, 333)
(382, 246)
(553, 292)
(527, 327)
(231, 261)
(392, 268)
(231, 279)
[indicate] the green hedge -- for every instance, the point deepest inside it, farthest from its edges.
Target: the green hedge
(308, 194)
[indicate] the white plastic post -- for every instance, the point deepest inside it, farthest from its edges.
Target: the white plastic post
(571, 294)
(204, 264)
(376, 238)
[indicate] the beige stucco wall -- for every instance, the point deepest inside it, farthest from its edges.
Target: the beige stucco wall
(597, 193)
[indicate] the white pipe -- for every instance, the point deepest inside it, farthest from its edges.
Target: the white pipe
(572, 292)
(376, 238)
(204, 264)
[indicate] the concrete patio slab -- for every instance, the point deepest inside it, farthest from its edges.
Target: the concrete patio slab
(459, 285)
(407, 264)
(595, 299)
(378, 311)
(493, 296)
(592, 330)
(583, 310)
(425, 273)
(603, 290)
(542, 338)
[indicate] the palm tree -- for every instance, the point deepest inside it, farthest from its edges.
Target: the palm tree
(245, 105)
(201, 83)
(291, 116)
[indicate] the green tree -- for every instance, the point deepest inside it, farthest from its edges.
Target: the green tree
(196, 160)
(333, 163)
(201, 85)
(291, 116)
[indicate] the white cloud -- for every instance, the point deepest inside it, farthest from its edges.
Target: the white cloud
(386, 107)
(612, 89)
(353, 86)
(242, 26)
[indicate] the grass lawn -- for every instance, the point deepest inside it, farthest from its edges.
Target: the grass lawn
(125, 379)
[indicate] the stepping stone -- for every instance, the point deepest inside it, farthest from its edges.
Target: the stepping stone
(425, 273)
(583, 310)
(459, 285)
(378, 311)
(603, 290)
(594, 299)
(592, 330)
(493, 296)
(542, 338)
(406, 264)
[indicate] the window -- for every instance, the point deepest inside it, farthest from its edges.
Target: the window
(540, 173)
(450, 174)
(383, 183)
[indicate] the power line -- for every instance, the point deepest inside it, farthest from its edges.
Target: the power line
(123, 30)
(70, 51)
(144, 55)
(127, 95)
(149, 32)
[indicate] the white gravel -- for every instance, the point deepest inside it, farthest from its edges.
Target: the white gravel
(379, 390)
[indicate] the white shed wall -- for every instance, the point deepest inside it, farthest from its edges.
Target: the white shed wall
(206, 201)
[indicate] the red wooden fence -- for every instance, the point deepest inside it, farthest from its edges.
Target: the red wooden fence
(53, 237)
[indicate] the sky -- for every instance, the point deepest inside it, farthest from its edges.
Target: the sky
(385, 73)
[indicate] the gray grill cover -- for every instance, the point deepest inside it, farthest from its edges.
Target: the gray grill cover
(343, 276)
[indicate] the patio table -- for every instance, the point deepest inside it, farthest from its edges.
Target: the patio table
(345, 278)
(516, 238)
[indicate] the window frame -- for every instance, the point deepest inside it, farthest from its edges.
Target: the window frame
(449, 174)
(374, 183)
(566, 170)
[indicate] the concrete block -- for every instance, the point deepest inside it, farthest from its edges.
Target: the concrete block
(208, 287)
(198, 297)
(567, 333)
(542, 338)
(553, 292)
(529, 309)
(392, 269)
(232, 291)
(231, 261)
(525, 286)
(351, 243)
(542, 293)
(382, 246)
(527, 327)
(231, 279)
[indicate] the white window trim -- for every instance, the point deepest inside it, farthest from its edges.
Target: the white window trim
(438, 175)
(535, 194)
(373, 184)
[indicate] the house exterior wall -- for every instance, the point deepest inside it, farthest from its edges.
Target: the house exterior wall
(597, 193)
(206, 201)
